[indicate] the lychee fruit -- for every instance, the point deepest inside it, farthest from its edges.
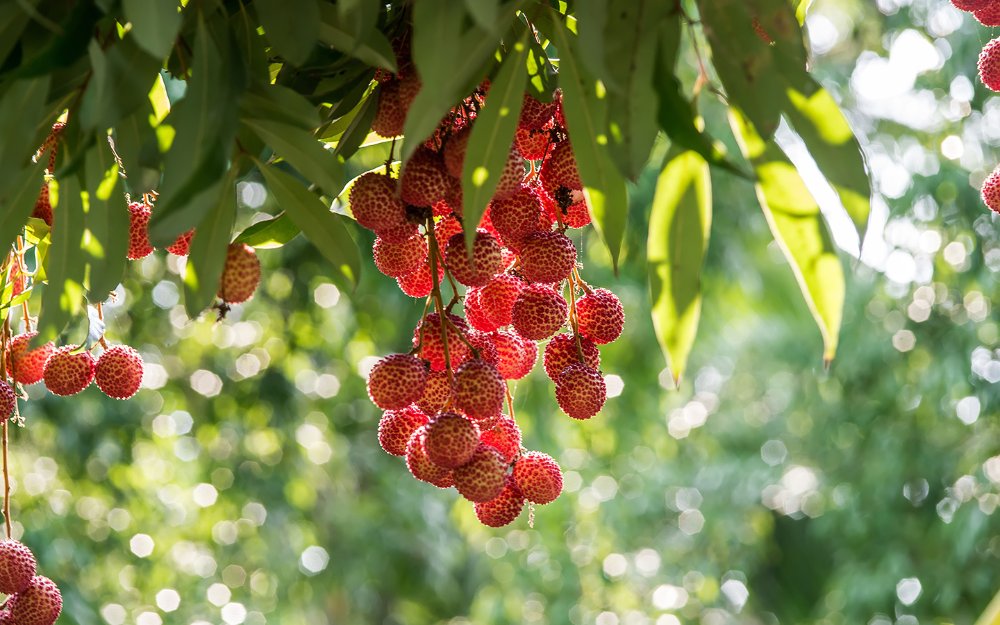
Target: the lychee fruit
(517, 355)
(533, 144)
(988, 15)
(397, 426)
(437, 393)
(600, 316)
(516, 216)
(8, 401)
(374, 203)
(397, 234)
(69, 371)
(182, 246)
(15, 278)
(497, 298)
(240, 275)
(559, 169)
(432, 347)
(486, 261)
(991, 190)
(565, 205)
(451, 440)
(390, 116)
(27, 366)
(420, 465)
(535, 114)
(479, 389)
(482, 342)
(504, 508)
(396, 381)
(475, 314)
(454, 152)
(17, 566)
(562, 351)
(419, 283)
(424, 180)
(538, 312)
(547, 257)
(446, 228)
(138, 231)
(989, 64)
(39, 604)
(538, 476)
(43, 205)
(504, 436)
(483, 476)
(119, 372)
(399, 259)
(580, 391)
(511, 175)
(970, 5)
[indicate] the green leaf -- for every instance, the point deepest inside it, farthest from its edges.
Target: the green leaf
(137, 145)
(491, 136)
(65, 261)
(122, 78)
(798, 229)
(22, 107)
(209, 246)
(585, 105)
(744, 62)
(280, 104)
(357, 129)
(155, 24)
(342, 205)
(205, 126)
(292, 26)
(835, 148)
(371, 47)
(679, 226)
(106, 238)
(12, 23)
(270, 233)
(17, 200)
(483, 12)
(631, 39)
(303, 151)
(592, 19)
(325, 229)
(801, 9)
(77, 30)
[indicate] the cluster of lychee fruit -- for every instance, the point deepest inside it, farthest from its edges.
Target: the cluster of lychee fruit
(444, 400)
(987, 12)
(33, 599)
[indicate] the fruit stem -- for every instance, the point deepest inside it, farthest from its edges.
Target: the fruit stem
(19, 259)
(420, 336)
(510, 399)
(433, 250)
(583, 285)
(572, 317)
(6, 421)
(100, 316)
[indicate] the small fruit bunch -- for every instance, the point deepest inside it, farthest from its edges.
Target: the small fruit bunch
(33, 599)
(519, 281)
(987, 12)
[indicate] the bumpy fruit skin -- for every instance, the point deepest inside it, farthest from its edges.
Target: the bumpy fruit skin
(432, 348)
(138, 231)
(486, 262)
(517, 355)
(39, 604)
(497, 298)
(119, 372)
(437, 394)
(374, 203)
(539, 312)
(580, 391)
(504, 508)
(399, 259)
(535, 114)
(17, 566)
(396, 381)
(8, 401)
(511, 175)
(600, 316)
(560, 169)
(390, 115)
(240, 275)
(68, 373)
(27, 366)
(533, 144)
(451, 440)
(970, 5)
(516, 216)
(479, 389)
(483, 342)
(538, 476)
(483, 476)
(182, 245)
(424, 180)
(475, 314)
(504, 436)
(562, 352)
(988, 15)
(991, 190)
(547, 257)
(419, 283)
(397, 426)
(420, 465)
(397, 234)
(43, 205)
(454, 152)
(989, 65)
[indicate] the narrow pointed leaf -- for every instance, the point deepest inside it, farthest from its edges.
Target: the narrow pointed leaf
(65, 262)
(209, 246)
(492, 135)
(270, 233)
(155, 24)
(292, 26)
(17, 200)
(325, 229)
(303, 151)
(106, 237)
(798, 229)
(679, 226)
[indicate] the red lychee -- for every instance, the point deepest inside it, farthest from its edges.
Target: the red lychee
(390, 116)
(451, 440)
(991, 190)
(970, 5)
(559, 169)
(486, 261)
(399, 259)
(538, 477)
(432, 348)
(27, 366)
(504, 436)
(397, 234)
(437, 393)
(562, 351)
(138, 231)
(535, 114)
(39, 604)
(396, 381)
(483, 476)
(43, 205)
(989, 64)
(504, 508)
(533, 145)
(424, 180)
(454, 152)
(374, 203)
(182, 245)
(600, 316)
(516, 216)
(517, 355)
(419, 283)
(580, 391)
(119, 372)
(988, 15)
(397, 426)
(475, 314)
(538, 312)
(497, 298)
(511, 175)
(69, 371)
(240, 275)
(547, 257)
(479, 389)
(17, 566)
(8, 401)
(420, 465)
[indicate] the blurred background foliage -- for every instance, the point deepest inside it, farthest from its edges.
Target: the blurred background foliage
(245, 483)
